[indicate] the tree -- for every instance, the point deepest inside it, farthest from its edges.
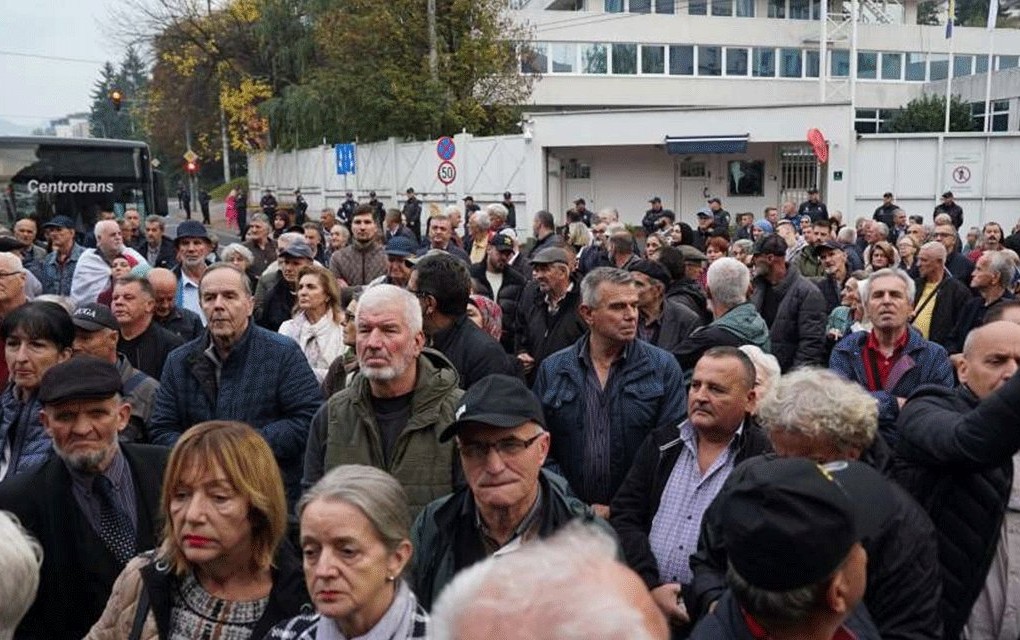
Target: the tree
(104, 120)
(927, 114)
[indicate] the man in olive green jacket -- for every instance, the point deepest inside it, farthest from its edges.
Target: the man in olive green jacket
(391, 415)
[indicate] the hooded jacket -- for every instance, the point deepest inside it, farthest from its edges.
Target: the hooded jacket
(798, 330)
(345, 431)
(739, 326)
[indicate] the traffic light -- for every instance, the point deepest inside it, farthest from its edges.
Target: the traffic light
(191, 167)
(116, 97)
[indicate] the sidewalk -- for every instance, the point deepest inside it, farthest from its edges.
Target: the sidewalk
(217, 215)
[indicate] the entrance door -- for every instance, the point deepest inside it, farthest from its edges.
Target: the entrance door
(693, 182)
(576, 184)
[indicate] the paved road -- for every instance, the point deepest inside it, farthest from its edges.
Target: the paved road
(226, 234)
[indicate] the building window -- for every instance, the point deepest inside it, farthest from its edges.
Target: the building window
(736, 61)
(625, 59)
(612, 6)
(764, 62)
(867, 65)
(653, 58)
(892, 66)
(709, 61)
(745, 8)
(790, 63)
(839, 63)
(939, 67)
(1009, 62)
(800, 9)
(980, 64)
(681, 60)
(777, 8)
(999, 113)
(722, 7)
(963, 66)
(872, 120)
(593, 58)
(690, 169)
(640, 6)
(915, 67)
(746, 178)
(564, 57)
(535, 58)
(811, 63)
(665, 6)
(698, 8)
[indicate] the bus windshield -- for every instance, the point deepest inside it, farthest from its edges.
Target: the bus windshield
(44, 177)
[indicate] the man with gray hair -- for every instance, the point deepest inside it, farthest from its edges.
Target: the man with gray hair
(158, 249)
(498, 215)
(736, 322)
(92, 273)
(477, 239)
(815, 414)
(606, 392)
(893, 359)
(392, 412)
(262, 247)
(587, 595)
(992, 275)
(940, 299)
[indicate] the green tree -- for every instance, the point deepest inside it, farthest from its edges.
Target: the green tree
(928, 113)
(104, 120)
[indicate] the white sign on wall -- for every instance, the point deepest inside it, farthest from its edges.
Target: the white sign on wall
(962, 175)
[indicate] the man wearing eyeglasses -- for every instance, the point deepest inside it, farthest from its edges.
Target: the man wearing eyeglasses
(509, 499)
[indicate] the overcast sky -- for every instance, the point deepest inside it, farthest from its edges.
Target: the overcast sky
(35, 90)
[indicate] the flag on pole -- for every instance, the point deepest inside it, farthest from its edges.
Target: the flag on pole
(950, 18)
(993, 13)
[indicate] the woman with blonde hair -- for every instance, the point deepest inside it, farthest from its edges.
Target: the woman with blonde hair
(317, 325)
(223, 569)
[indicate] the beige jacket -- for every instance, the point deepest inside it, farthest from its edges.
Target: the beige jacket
(119, 615)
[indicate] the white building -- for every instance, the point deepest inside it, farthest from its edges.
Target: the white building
(687, 100)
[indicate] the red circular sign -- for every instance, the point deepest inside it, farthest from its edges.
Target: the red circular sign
(446, 172)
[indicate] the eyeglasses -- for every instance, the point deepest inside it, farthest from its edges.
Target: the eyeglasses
(506, 448)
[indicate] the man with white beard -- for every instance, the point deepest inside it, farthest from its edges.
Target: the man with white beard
(391, 414)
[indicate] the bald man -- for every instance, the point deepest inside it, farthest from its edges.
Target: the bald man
(172, 317)
(92, 273)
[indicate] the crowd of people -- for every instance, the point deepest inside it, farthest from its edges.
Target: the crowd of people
(413, 423)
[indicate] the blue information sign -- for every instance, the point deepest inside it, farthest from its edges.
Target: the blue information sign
(446, 148)
(346, 158)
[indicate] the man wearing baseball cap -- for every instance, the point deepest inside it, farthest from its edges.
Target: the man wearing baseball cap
(511, 210)
(650, 221)
(279, 303)
(412, 213)
(797, 569)
(398, 270)
(509, 499)
(93, 505)
(493, 278)
(59, 264)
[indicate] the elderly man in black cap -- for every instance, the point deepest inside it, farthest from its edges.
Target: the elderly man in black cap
(96, 332)
(193, 245)
(59, 264)
(547, 315)
(93, 506)
(662, 321)
(651, 219)
(509, 499)
(797, 568)
(279, 304)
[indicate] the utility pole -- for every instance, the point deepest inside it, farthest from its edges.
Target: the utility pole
(191, 177)
(223, 122)
(433, 53)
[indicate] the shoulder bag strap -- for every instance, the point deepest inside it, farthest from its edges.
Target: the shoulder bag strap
(141, 612)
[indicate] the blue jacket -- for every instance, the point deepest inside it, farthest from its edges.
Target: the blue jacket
(650, 394)
(30, 446)
(265, 382)
(56, 278)
(923, 362)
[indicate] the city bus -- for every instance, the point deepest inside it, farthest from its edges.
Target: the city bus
(43, 177)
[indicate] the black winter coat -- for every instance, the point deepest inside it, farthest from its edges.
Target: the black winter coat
(952, 297)
(472, 351)
(540, 334)
(798, 330)
(955, 456)
(903, 569)
(508, 299)
(637, 500)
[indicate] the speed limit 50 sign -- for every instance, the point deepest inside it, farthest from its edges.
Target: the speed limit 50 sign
(446, 172)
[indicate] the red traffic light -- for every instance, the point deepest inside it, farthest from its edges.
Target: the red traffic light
(191, 167)
(116, 97)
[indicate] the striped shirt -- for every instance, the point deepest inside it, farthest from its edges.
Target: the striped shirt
(598, 400)
(686, 496)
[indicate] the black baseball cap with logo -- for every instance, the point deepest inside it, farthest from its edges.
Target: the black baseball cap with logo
(496, 400)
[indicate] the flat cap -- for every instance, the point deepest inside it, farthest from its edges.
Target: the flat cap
(80, 378)
(550, 255)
